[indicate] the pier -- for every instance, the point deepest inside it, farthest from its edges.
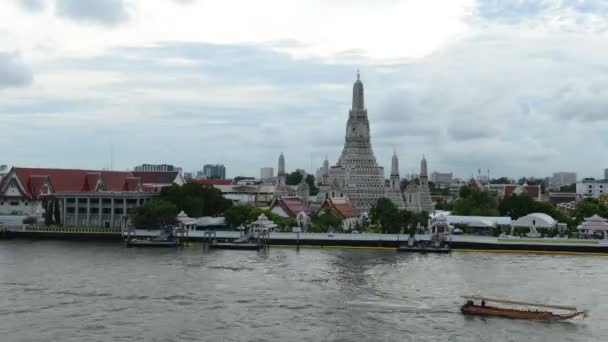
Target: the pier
(230, 240)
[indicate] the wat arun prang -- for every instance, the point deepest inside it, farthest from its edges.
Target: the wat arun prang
(357, 175)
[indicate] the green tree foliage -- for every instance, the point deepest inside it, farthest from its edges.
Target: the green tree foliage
(568, 188)
(326, 220)
(294, 178)
(443, 205)
(383, 208)
(56, 212)
(244, 214)
(312, 184)
(48, 212)
(196, 200)
(501, 180)
(473, 202)
(589, 207)
(241, 214)
(392, 220)
(516, 206)
(154, 214)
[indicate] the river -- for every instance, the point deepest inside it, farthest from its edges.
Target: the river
(82, 291)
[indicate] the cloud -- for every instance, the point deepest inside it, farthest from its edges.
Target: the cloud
(13, 72)
(104, 12)
(33, 5)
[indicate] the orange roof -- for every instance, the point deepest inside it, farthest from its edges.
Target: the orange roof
(341, 207)
(292, 205)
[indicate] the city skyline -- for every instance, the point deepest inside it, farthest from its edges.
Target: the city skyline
(472, 84)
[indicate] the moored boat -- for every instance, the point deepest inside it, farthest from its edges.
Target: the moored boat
(531, 313)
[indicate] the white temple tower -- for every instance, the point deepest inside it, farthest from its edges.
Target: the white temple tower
(281, 185)
(357, 171)
(394, 189)
(418, 197)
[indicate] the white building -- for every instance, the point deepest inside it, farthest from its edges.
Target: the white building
(266, 173)
(443, 179)
(591, 187)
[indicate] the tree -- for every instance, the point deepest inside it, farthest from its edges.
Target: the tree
(240, 214)
(568, 188)
(516, 206)
(294, 178)
(326, 220)
(196, 200)
(473, 202)
(589, 207)
(57, 213)
(382, 207)
(154, 214)
(48, 213)
(312, 184)
(501, 180)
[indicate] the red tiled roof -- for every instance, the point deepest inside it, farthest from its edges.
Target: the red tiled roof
(35, 185)
(342, 208)
(152, 177)
(531, 190)
(212, 181)
(72, 180)
(132, 184)
(90, 182)
(292, 205)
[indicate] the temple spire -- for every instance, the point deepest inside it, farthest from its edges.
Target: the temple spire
(395, 164)
(281, 170)
(358, 102)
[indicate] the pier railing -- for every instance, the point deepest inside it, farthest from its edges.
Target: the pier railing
(57, 229)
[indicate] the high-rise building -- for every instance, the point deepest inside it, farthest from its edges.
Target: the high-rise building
(156, 168)
(605, 173)
(214, 171)
(563, 178)
(266, 173)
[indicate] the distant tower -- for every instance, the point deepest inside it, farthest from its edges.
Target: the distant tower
(282, 176)
(393, 192)
(426, 202)
(424, 177)
(418, 197)
(281, 186)
(325, 174)
(395, 173)
(357, 171)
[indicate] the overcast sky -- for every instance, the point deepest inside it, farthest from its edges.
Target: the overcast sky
(516, 86)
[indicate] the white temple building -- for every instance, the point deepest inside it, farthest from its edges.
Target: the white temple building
(393, 192)
(356, 175)
(418, 196)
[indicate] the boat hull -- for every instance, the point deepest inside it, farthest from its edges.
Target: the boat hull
(477, 310)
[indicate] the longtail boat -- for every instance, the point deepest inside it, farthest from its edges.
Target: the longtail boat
(470, 308)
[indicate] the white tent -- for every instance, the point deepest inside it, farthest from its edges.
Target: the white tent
(538, 220)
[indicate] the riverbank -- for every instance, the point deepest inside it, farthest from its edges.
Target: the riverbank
(328, 240)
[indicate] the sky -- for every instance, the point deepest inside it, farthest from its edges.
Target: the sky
(517, 87)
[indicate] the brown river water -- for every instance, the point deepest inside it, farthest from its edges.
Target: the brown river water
(82, 291)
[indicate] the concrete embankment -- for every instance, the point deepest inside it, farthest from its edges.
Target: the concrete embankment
(374, 241)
